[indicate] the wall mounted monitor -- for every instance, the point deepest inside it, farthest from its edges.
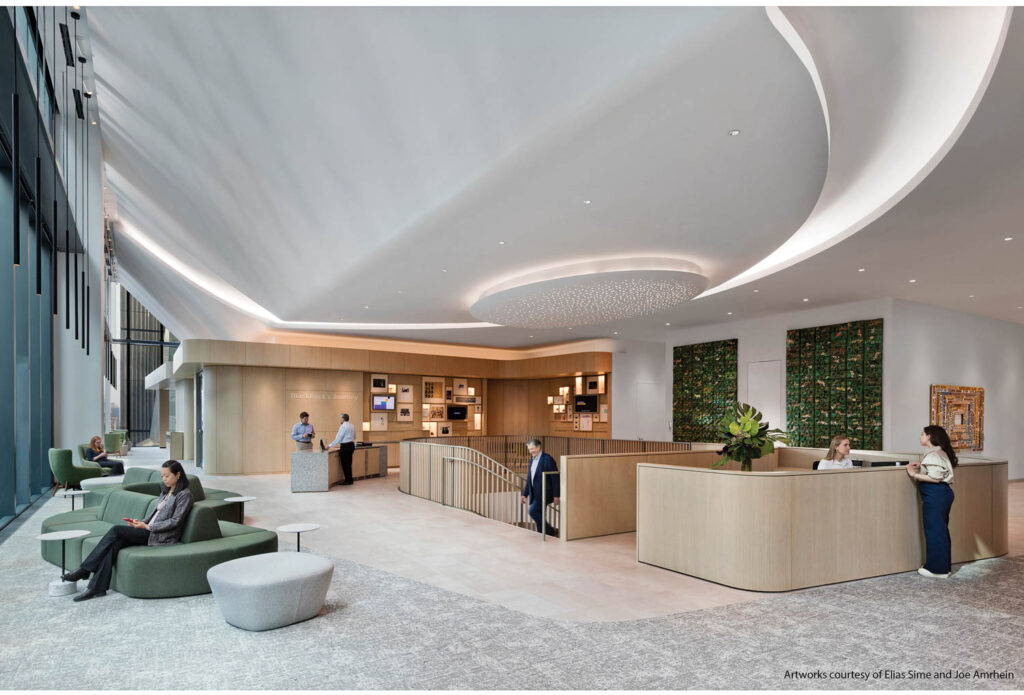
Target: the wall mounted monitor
(383, 403)
(457, 412)
(585, 404)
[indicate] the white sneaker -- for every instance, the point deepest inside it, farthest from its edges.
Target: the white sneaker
(925, 573)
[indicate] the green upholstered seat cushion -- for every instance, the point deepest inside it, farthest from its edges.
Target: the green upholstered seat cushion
(140, 475)
(123, 503)
(64, 518)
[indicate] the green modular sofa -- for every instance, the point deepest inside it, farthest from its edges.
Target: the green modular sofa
(148, 482)
(159, 571)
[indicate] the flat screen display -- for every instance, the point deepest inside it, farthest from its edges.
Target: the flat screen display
(585, 404)
(457, 412)
(383, 403)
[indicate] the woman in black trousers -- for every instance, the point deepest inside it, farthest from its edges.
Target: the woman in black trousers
(163, 527)
(934, 475)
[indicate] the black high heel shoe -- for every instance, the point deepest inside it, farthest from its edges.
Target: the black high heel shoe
(88, 594)
(75, 575)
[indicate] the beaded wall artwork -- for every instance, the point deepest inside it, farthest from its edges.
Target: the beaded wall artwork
(703, 390)
(834, 384)
(960, 410)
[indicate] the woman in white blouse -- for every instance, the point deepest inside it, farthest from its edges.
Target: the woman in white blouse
(838, 455)
(934, 474)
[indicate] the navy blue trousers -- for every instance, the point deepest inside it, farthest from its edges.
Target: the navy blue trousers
(936, 500)
(536, 509)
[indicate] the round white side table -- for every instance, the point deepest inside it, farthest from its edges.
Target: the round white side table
(298, 530)
(241, 499)
(59, 587)
(73, 494)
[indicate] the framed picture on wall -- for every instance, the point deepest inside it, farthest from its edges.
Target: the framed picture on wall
(586, 422)
(406, 394)
(576, 422)
(604, 412)
(449, 395)
(435, 411)
(444, 429)
(404, 413)
(479, 409)
(378, 383)
(378, 422)
(460, 387)
(431, 429)
(467, 400)
(433, 389)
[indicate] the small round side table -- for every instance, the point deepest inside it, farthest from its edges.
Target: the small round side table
(59, 587)
(73, 494)
(242, 499)
(298, 530)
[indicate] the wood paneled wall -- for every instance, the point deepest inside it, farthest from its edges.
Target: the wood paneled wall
(248, 413)
(521, 407)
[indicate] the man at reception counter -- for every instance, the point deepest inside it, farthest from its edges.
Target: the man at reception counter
(540, 463)
(303, 433)
(346, 443)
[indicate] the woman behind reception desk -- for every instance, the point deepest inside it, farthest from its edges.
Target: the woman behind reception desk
(934, 474)
(838, 455)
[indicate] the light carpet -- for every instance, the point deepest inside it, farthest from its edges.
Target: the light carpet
(382, 631)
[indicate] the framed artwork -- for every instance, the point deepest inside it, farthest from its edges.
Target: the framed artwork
(432, 429)
(404, 413)
(467, 400)
(579, 386)
(586, 422)
(461, 387)
(435, 411)
(449, 395)
(559, 400)
(433, 390)
(477, 421)
(378, 422)
(392, 388)
(576, 422)
(378, 383)
(471, 391)
(444, 429)
(564, 417)
(960, 410)
(479, 409)
(592, 385)
(604, 412)
(405, 394)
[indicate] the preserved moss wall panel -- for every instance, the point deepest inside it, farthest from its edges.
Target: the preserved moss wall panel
(704, 388)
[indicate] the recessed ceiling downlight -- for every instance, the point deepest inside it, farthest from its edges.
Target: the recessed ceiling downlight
(590, 293)
(733, 133)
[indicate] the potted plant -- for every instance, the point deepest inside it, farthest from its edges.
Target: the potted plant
(746, 437)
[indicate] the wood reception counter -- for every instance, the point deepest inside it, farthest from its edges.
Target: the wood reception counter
(778, 530)
(316, 471)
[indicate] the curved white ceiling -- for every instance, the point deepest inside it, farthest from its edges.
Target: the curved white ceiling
(898, 85)
(319, 160)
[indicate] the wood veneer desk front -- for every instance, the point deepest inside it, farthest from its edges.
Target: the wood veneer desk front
(785, 530)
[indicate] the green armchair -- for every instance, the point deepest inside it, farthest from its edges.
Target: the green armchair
(67, 473)
(85, 463)
(112, 441)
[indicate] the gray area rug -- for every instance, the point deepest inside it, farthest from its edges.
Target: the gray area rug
(382, 631)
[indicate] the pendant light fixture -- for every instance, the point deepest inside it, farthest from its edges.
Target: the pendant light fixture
(53, 225)
(87, 281)
(39, 162)
(69, 61)
(74, 89)
(15, 146)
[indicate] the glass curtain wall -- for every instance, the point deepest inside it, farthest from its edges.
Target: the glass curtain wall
(26, 279)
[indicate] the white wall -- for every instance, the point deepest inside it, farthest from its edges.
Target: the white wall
(77, 378)
(635, 362)
(764, 339)
(937, 346)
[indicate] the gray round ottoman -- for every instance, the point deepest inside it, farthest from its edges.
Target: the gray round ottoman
(262, 592)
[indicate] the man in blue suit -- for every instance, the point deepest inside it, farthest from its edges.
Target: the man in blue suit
(540, 463)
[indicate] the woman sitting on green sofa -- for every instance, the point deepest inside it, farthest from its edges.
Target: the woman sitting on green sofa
(163, 527)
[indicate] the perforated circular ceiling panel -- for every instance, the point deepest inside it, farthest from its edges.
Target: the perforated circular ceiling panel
(587, 299)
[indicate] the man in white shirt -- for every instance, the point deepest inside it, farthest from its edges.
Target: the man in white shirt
(346, 443)
(540, 463)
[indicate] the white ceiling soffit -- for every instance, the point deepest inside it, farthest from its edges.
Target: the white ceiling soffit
(301, 164)
(898, 86)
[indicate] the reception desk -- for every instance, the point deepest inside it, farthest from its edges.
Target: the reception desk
(317, 471)
(793, 527)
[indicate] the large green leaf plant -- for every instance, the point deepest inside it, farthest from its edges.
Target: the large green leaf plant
(746, 437)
